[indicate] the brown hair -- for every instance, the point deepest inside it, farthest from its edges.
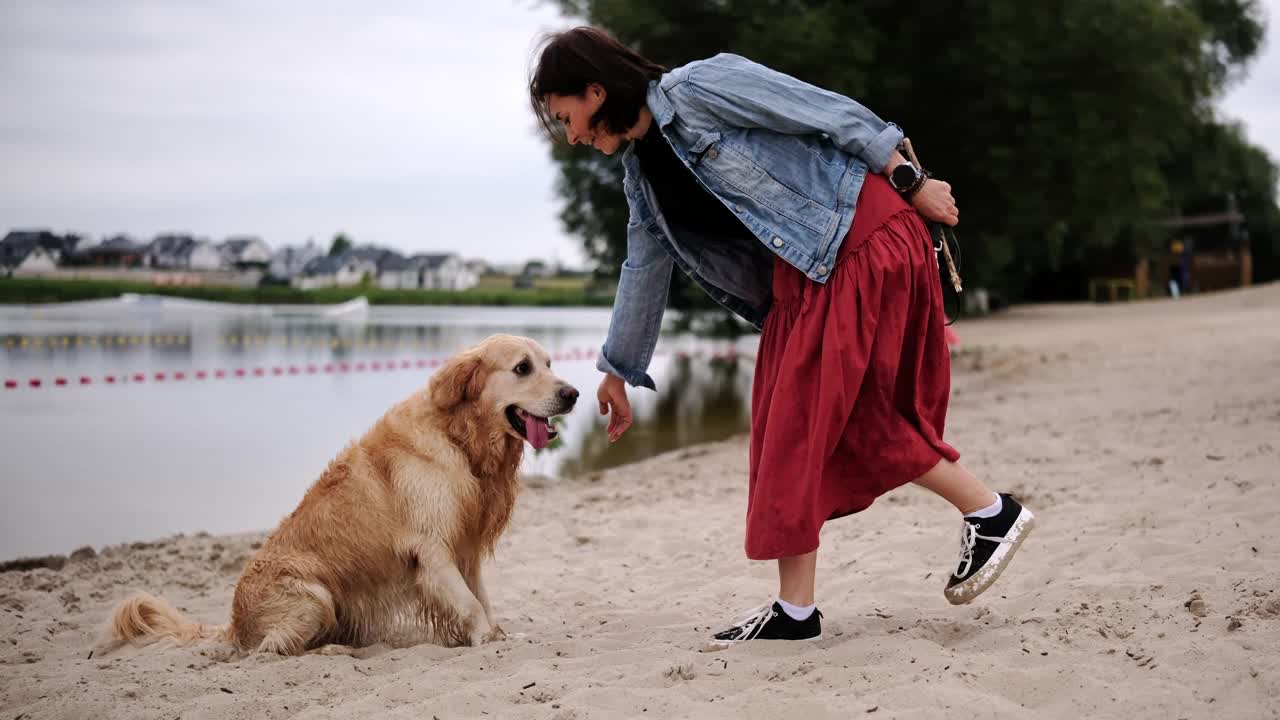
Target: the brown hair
(574, 59)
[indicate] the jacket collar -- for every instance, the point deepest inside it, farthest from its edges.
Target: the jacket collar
(658, 104)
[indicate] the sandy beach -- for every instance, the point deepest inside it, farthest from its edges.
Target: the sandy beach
(1146, 437)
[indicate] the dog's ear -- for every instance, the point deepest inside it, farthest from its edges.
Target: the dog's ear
(461, 380)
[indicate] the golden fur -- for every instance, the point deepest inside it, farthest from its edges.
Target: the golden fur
(394, 531)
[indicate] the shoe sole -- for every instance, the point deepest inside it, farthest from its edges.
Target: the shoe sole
(966, 591)
(717, 645)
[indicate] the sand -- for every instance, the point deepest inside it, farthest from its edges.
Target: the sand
(1146, 436)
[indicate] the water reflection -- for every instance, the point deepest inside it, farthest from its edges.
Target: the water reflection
(165, 421)
(701, 400)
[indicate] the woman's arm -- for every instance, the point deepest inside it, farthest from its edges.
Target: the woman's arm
(638, 305)
(933, 200)
(747, 94)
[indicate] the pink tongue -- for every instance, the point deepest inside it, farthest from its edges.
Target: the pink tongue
(536, 430)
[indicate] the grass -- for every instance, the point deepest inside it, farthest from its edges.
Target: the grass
(492, 291)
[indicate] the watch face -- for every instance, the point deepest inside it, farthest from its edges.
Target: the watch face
(903, 176)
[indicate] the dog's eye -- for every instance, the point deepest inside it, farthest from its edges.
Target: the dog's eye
(523, 368)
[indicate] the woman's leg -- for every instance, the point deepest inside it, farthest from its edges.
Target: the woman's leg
(796, 577)
(957, 486)
(989, 540)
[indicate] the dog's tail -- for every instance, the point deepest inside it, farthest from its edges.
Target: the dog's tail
(143, 619)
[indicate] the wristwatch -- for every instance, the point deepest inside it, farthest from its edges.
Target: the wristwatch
(907, 178)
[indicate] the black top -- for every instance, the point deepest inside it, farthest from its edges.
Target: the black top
(682, 199)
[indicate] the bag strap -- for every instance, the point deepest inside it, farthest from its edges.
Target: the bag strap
(943, 238)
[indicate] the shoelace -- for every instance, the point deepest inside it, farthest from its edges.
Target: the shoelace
(969, 537)
(751, 622)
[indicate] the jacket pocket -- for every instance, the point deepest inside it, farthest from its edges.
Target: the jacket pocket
(703, 146)
(752, 183)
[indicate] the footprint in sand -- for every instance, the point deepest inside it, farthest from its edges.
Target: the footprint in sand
(1142, 659)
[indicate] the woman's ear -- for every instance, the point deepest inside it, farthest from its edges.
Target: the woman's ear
(457, 382)
(596, 93)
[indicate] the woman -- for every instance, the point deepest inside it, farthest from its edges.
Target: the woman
(792, 207)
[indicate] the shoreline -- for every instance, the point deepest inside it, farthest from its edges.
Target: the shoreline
(34, 291)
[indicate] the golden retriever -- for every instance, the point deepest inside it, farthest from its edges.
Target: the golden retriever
(395, 529)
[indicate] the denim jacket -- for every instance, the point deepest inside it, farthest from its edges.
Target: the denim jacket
(786, 157)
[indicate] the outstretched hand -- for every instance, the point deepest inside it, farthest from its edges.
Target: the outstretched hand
(612, 396)
(934, 201)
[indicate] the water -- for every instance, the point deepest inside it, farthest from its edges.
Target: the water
(99, 463)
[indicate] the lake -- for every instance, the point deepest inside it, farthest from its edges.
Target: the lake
(158, 417)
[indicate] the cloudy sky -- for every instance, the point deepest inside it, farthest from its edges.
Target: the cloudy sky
(405, 126)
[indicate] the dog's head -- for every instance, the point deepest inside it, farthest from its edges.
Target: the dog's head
(506, 379)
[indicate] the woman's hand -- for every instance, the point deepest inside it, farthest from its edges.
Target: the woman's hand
(933, 200)
(612, 395)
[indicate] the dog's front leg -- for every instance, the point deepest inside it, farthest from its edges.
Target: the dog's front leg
(476, 581)
(458, 615)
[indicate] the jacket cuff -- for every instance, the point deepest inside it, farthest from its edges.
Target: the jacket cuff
(881, 148)
(636, 378)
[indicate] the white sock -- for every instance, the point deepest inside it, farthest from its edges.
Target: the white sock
(991, 510)
(795, 611)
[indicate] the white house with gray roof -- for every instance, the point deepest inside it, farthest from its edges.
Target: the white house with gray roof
(183, 252)
(244, 250)
(443, 271)
(345, 270)
(288, 262)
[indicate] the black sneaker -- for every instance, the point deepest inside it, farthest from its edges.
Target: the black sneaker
(986, 547)
(768, 623)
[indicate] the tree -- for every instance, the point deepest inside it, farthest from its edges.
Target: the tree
(1069, 129)
(341, 244)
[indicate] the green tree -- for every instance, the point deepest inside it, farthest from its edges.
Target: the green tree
(1069, 128)
(341, 244)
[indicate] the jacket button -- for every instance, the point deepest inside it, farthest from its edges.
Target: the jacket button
(777, 242)
(822, 269)
(713, 154)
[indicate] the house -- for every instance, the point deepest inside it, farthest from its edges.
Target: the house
(391, 266)
(442, 271)
(19, 259)
(288, 261)
(118, 251)
(479, 267)
(61, 248)
(345, 270)
(538, 269)
(396, 272)
(183, 252)
(244, 251)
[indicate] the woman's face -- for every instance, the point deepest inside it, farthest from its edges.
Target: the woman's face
(574, 112)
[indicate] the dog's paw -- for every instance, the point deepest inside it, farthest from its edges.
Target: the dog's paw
(496, 634)
(332, 649)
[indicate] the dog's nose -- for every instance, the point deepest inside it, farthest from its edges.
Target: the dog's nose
(569, 394)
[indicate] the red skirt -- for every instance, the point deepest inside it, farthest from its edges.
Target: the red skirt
(852, 379)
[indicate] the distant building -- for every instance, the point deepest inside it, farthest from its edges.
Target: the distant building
(396, 272)
(18, 261)
(118, 251)
(288, 261)
(18, 245)
(346, 270)
(243, 251)
(392, 267)
(183, 252)
(443, 271)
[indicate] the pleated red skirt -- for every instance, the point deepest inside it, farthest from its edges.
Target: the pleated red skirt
(852, 380)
